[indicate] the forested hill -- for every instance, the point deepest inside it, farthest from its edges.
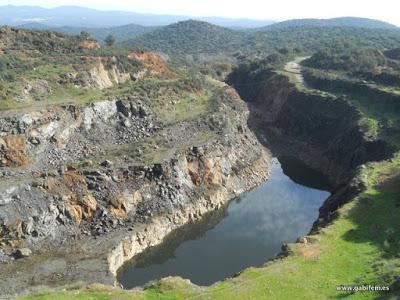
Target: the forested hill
(121, 33)
(341, 22)
(314, 38)
(190, 37)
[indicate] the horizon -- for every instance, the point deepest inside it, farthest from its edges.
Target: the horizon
(156, 7)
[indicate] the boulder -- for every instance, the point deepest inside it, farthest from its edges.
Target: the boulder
(22, 252)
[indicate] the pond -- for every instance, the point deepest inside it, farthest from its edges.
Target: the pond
(249, 231)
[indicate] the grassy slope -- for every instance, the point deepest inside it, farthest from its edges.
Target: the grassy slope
(360, 247)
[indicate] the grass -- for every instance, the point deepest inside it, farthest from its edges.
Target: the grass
(188, 106)
(383, 122)
(48, 71)
(360, 247)
(388, 89)
(380, 119)
(154, 149)
(296, 78)
(370, 127)
(76, 96)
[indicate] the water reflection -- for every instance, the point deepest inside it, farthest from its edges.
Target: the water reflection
(247, 233)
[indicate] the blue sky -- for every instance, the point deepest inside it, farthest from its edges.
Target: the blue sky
(386, 10)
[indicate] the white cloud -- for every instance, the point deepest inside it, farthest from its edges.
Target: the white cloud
(387, 10)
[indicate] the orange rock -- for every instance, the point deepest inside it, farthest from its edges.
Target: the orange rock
(15, 228)
(73, 179)
(123, 204)
(203, 172)
(13, 151)
(89, 44)
(82, 209)
(153, 62)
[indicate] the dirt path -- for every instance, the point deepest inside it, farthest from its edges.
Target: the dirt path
(293, 67)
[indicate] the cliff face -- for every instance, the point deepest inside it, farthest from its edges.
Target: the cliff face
(89, 186)
(321, 130)
(207, 180)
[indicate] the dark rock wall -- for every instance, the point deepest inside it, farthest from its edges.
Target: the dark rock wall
(320, 130)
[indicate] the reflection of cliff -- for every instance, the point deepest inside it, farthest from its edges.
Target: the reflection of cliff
(191, 231)
(304, 175)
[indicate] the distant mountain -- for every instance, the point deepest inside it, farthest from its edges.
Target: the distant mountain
(343, 22)
(85, 17)
(189, 37)
(121, 33)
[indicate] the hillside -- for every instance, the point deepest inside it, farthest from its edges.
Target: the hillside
(12, 39)
(339, 22)
(39, 68)
(347, 57)
(121, 33)
(189, 37)
(393, 53)
(312, 38)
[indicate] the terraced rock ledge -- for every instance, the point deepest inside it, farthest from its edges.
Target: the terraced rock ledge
(88, 186)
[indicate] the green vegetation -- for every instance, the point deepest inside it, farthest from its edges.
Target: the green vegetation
(334, 22)
(346, 57)
(379, 105)
(393, 53)
(110, 40)
(84, 34)
(121, 33)
(311, 39)
(33, 40)
(189, 106)
(190, 37)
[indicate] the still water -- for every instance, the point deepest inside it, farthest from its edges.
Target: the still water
(248, 232)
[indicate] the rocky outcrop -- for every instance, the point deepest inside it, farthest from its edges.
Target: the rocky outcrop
(210, 195)
(84, 199)
(320, 130)
(89, 44)
(13, 151)
(102, 78)
(153, 62)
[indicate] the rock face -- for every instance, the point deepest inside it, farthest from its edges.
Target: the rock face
(89, 44)
(210, 177)
(153, 62)
(13, 151)
(102, 78)
(322, 131)
(23, 252)
(79, 190)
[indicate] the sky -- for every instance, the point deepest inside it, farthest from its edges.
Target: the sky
(385, 10)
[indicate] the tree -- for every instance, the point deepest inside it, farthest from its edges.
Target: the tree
(85, 35)
(110, 40)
